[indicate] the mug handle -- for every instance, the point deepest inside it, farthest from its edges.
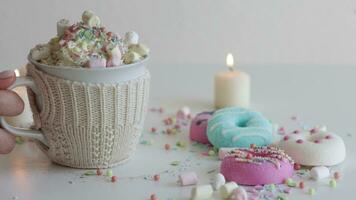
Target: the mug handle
(24, 81)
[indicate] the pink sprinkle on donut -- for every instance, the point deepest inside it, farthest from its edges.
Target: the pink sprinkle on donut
(300, 141)
(248, 156)
(285, 138)
(297, 166)
(313, 130)
(328, 137)
(296, 131)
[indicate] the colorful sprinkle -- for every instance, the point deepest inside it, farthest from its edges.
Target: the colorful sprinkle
(328, 137)
(300, 141)
(109, 173)
(271, 187)
(281, 196)
(89, 173)
(114, 179)
(156, 177)
(311, 191)
(290, 182)
(99, 172)
(175, 163)
(153, 129)
(285, 138)
(287, 190)
(181, 144)
(332, 183)
(337, 175)
(153, 197)
(167, 147)
(169, 131)
(297, 166)
(211, 153)
(316, 141)
(301, 185)
(296, 131)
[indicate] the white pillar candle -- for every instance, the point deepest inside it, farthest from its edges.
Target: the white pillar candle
(25, 119)
(232, 88)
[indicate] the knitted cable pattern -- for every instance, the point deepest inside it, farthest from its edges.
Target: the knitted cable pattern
(89, 125)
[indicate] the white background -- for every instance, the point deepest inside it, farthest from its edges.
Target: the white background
(199, 31)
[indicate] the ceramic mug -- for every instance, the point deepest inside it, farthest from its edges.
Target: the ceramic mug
(86, 118)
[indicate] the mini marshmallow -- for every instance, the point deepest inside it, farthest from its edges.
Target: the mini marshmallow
(202, 192)
(94, 21)
(319, 172)
(86, 16)
(218, 181)
(131, 38)
(239, 194)
(115, 58)
(141, 49)
(223, 151)
(41, 51)
(90, 19)
(226, 190)
(62, 26)
(183, 113)
(188, 178)
(131, 57)
(96, 62)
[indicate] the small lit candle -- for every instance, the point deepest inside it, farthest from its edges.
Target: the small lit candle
(232, 87)
(25, 119)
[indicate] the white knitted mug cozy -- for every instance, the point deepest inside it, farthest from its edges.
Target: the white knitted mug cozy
(89, 125)
(86, 124)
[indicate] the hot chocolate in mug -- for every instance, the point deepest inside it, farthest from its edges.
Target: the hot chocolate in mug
(86, 118)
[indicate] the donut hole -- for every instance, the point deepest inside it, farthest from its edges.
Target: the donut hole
(242, 123)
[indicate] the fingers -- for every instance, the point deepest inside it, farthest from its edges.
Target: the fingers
(10, 103)
(7, 142)
(7, 78)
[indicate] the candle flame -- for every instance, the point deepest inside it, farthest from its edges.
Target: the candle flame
(230, 61)
(17, 72)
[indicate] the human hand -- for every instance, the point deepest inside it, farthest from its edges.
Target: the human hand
(10, 105)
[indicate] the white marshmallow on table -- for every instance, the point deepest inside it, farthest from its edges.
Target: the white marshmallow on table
(131, 38)
(41, 51)
(202, 192)
(131, 57)
(218, 181)
(141, 49)
(239, 194)
(226, 189)
(223, 151)
(319, 172)
(62, 26)
(183, 113)
(188, 178)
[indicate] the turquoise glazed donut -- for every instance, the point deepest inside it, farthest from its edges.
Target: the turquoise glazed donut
(239, 127)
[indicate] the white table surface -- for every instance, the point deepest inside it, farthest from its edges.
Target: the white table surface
(316, 95)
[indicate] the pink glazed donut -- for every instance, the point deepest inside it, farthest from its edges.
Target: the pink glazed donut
(198, 127)
(257, 166)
